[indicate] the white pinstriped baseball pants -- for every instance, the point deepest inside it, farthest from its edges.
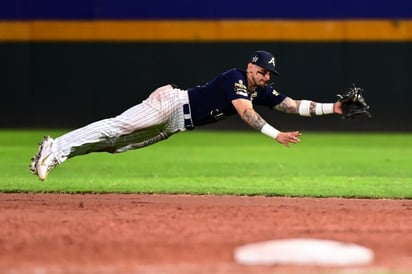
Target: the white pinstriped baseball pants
(153, 120)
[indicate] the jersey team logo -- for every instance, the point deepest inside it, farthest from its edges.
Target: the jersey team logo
(240, 88)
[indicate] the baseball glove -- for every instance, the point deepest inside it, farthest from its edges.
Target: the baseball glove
(353, 103)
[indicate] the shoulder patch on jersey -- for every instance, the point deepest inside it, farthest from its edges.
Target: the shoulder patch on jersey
(274, 92)
(240, 88)
(254, 94)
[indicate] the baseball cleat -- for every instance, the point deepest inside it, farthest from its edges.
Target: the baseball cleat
(44, 160)
(35, 158)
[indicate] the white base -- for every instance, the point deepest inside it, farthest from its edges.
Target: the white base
(303, 252)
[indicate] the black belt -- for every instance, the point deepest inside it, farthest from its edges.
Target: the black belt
(188, 117)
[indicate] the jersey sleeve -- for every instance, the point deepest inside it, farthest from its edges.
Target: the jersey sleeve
(237, 86)
(269, 97)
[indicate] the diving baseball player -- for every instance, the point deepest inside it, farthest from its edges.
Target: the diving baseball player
(169, 110)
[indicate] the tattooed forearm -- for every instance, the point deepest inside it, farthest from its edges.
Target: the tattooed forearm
(251, 117)
(312, 108)
(288, 106)
(292, 106)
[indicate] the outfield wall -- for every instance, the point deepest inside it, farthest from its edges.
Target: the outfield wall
(78, 61)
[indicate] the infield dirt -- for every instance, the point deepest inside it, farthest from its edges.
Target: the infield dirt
(128, 233)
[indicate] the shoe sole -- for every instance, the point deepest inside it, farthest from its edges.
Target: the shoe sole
(35, 165)
(36, 157)
(42, 165)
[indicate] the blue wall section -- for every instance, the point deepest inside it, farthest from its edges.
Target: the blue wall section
(210, 9)
(74, 82)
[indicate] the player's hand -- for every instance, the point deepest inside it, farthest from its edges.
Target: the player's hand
(288, 137)
(337, 108)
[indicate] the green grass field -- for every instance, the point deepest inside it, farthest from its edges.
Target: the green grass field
(364, 165)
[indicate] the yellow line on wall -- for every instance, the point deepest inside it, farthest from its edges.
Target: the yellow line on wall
(207, 31)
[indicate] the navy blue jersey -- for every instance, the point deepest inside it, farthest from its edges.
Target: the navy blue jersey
(212, 101)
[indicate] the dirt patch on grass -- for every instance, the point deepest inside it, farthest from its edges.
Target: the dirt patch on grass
(62, 233)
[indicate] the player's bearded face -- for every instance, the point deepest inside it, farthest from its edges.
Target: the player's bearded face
(261, 76)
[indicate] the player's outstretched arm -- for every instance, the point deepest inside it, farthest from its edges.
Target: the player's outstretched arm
(245, 110)
(250, 116)
(308, 108)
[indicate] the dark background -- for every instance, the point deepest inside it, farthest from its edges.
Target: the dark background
(69, 84)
